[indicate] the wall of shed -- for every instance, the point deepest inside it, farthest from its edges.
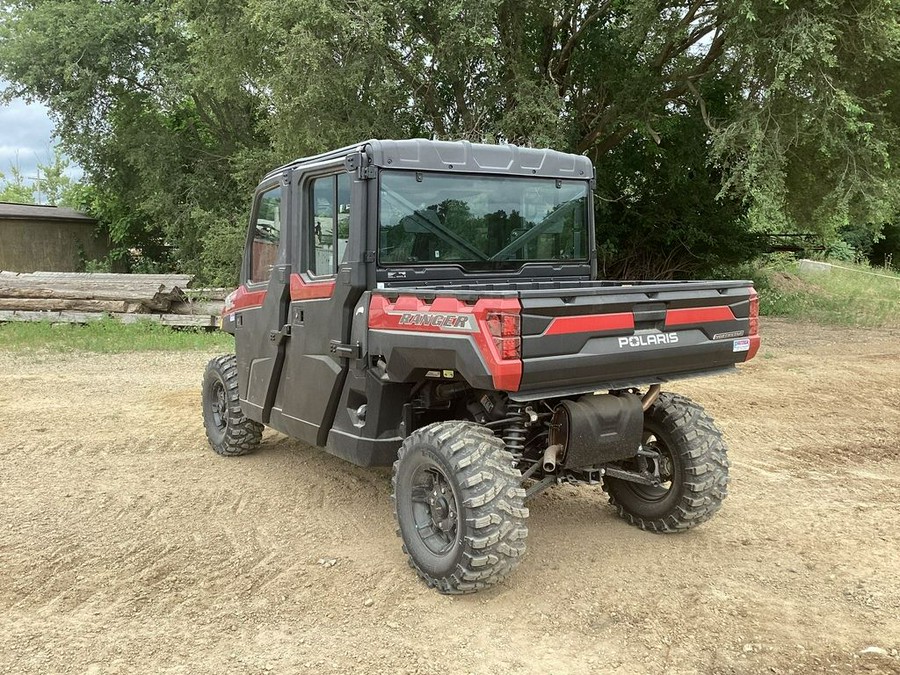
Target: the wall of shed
(47, 245)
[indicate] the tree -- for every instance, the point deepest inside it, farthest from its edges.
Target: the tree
(13, 188)
(158, 142)
(762, 115)
(660, 211)
(814, 143)
(53, 185)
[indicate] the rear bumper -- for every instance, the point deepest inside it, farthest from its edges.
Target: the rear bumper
(603, 360)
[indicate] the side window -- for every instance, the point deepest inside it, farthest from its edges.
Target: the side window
(322, 259)
(343, 215)
(330, 217)
(266, 235)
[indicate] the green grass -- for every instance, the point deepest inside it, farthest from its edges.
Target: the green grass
(109, 336)
(843, 297)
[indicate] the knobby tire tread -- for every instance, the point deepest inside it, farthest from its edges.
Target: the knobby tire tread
(704, 455)
(491, 493)
(242, 435)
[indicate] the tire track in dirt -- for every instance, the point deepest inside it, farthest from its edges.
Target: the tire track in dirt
(126, 545)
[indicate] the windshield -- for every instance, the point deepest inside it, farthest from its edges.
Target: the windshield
(480, 222)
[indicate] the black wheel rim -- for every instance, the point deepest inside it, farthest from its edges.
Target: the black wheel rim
(435, 509)
(219, 405)
(663, 463)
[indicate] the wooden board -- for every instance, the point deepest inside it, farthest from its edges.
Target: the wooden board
(143, 292)
(144, 285)
(79, 297)
(152, 301)
(60, 304)
(199, 321)
(207, 293)
(207, 307)
(180, 280)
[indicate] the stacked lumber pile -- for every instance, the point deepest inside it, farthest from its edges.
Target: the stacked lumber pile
(75, 297)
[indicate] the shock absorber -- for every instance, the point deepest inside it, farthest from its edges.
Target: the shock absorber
(514, 435)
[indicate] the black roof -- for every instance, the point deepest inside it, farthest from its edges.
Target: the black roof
(460, 156)
(9, 210)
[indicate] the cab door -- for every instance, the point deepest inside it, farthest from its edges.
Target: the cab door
(324, 291)
(261, 304)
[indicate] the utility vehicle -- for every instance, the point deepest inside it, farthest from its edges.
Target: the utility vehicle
(435, 306)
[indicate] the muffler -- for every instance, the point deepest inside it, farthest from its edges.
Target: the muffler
(595, 430)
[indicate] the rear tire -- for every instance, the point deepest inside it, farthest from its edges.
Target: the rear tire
(693, 458)
(460, 506)
(229, 431)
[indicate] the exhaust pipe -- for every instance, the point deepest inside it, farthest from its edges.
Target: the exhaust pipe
(650, 397)
(550, 458)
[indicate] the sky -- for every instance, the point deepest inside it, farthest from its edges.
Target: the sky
(26, 137)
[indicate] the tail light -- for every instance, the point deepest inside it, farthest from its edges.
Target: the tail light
(505, 329)
(229, 302)
(754, 312)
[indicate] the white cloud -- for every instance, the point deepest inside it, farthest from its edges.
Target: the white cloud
(26, 137)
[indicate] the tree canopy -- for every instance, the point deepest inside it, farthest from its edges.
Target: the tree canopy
(708, 120)
(52, 185)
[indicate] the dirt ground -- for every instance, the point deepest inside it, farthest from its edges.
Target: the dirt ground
(126, 545)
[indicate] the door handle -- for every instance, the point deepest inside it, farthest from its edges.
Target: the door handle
(346, 351)
(279, 336)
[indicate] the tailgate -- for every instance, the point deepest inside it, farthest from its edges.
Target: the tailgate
(620, 336)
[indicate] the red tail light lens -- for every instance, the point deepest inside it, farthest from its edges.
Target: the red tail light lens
(754, 312)
(506, 331)
(510, 348)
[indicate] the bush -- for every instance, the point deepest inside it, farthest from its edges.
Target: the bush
(842, 250)
(223, 247)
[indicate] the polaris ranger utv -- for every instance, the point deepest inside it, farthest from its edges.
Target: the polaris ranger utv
(435, 306)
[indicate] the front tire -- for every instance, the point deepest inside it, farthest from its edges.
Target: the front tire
(229, 431)
(693, 462)
(460, 507)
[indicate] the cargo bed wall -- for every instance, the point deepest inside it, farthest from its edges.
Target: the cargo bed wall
(627, 336)
(576, 336)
